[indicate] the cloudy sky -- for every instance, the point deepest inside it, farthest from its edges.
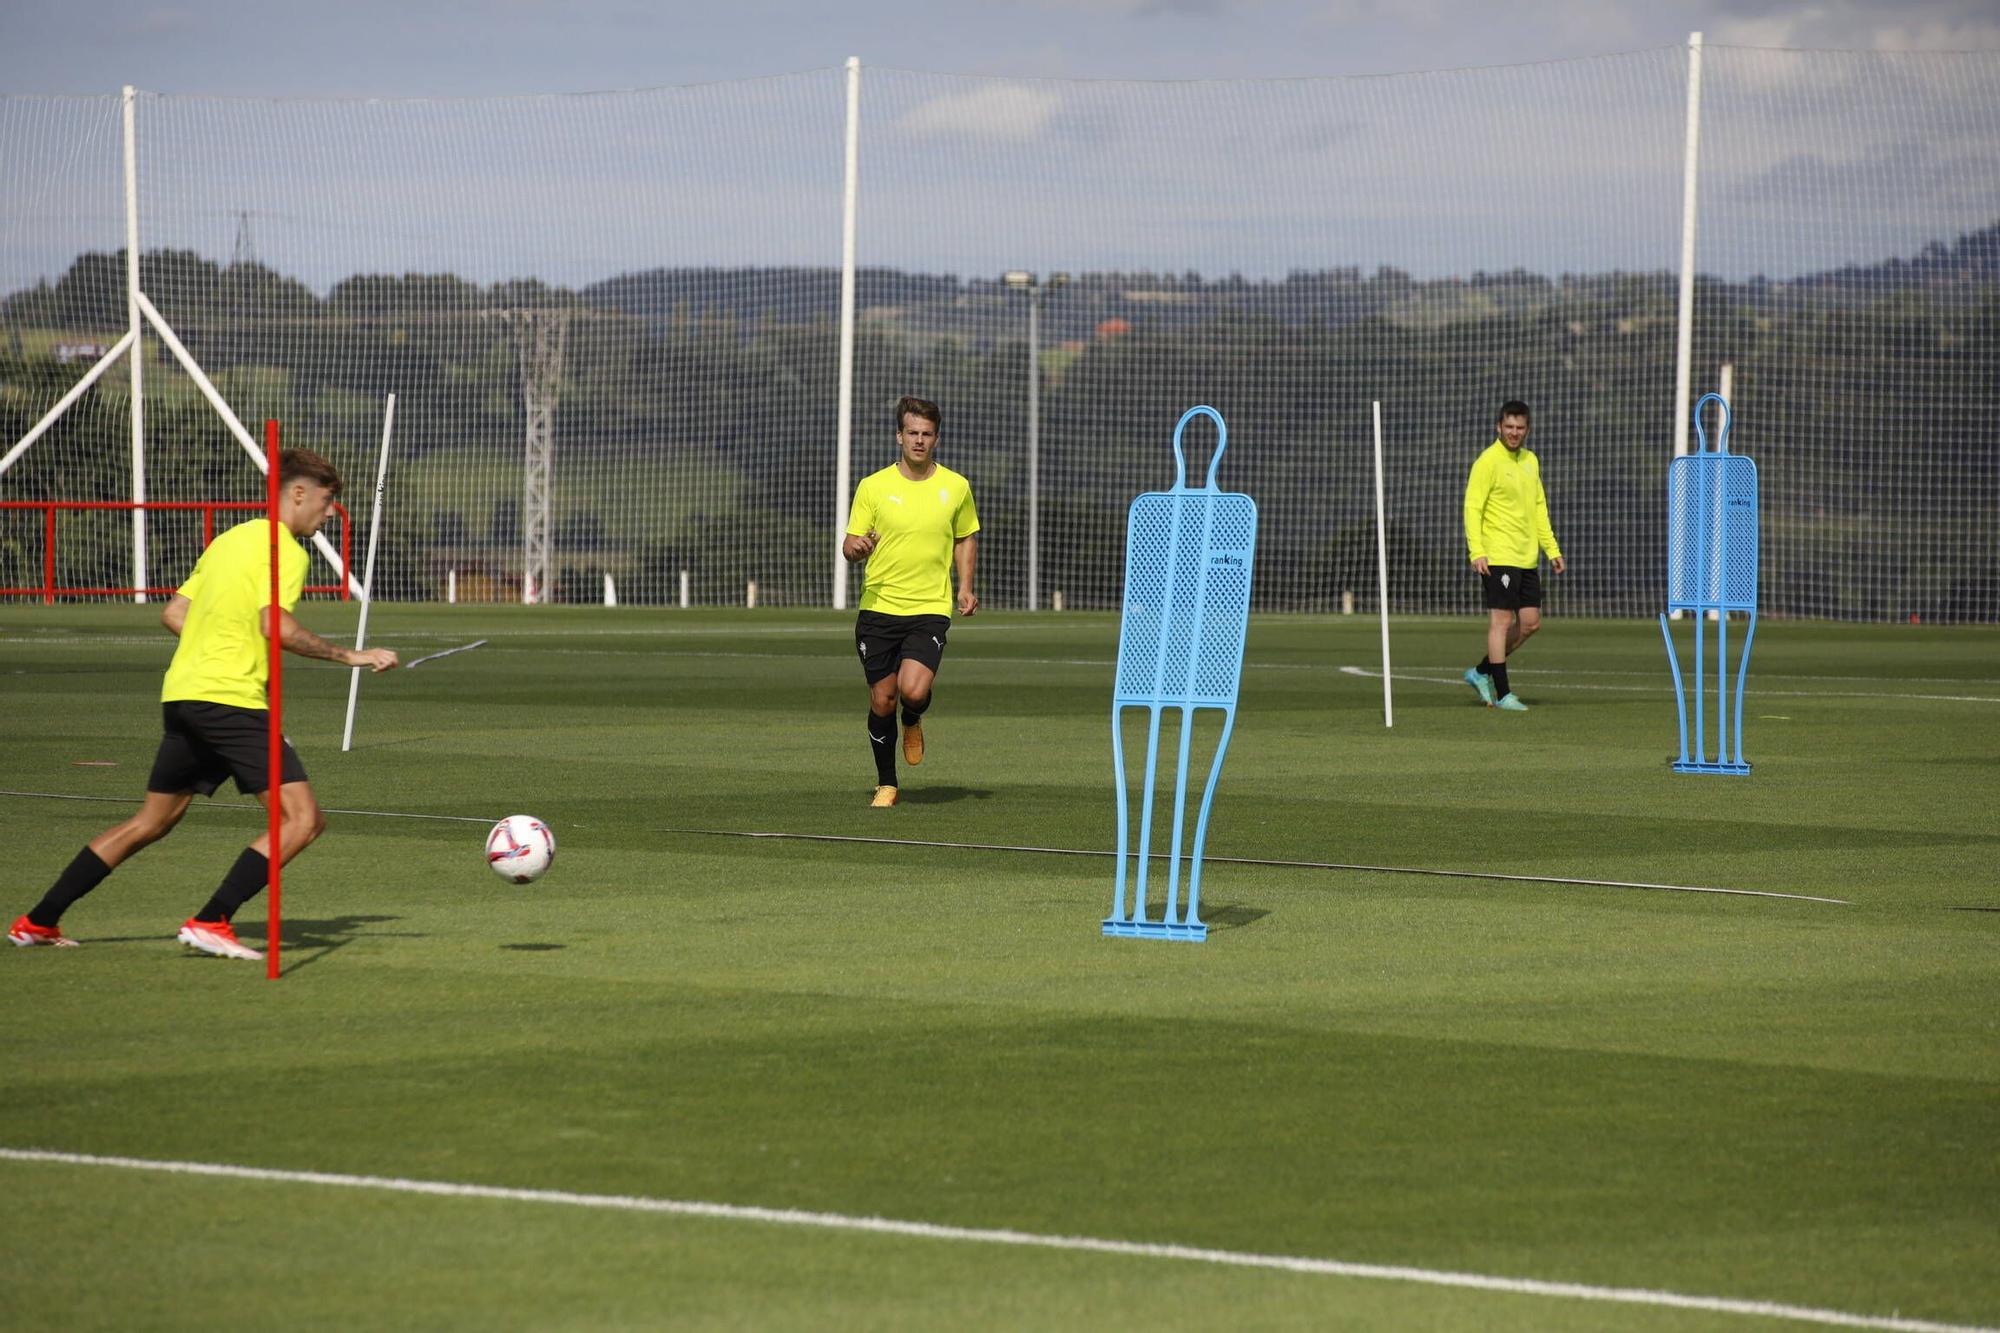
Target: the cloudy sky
(477, 47)
(1167, 135)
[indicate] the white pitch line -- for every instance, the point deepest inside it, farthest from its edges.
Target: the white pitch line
(1257, 861)
(795, 1217)
(1541, 683)
(1761, 675)
(1041, 851)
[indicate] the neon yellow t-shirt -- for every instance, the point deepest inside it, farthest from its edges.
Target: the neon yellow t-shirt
(909, 573)
(223, 656)
(1506, 510)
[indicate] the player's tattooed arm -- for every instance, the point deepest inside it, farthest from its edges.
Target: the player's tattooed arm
(296, 638)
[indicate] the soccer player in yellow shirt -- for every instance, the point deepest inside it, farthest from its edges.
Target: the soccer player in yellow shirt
(217, 718)
(915, 524)
(1506, 527)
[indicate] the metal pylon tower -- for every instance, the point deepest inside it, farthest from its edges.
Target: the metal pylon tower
(245, 251)
(540, 338)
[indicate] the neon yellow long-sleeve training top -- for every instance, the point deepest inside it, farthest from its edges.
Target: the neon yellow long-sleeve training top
(1506, 510)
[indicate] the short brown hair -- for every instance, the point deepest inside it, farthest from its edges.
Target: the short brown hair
(305, 465)
(1513, 407)
(907, 406)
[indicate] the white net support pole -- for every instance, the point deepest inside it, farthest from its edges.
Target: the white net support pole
(844, 430)
(1034, 446)
(368, 571)
(1690, 178)
(133, 331)
(1382, 572)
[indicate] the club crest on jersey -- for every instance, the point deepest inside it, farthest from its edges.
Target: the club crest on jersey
(944, 495)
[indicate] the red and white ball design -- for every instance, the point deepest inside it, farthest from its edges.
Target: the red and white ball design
(520, 849)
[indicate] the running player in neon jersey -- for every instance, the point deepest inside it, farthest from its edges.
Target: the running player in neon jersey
(217, 719)
(1506, 527)
(915, 525)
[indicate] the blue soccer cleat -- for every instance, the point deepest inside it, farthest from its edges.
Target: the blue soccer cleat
(1511, 702)
(1482, 683)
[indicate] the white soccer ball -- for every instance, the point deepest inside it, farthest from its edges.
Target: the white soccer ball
(520, 849)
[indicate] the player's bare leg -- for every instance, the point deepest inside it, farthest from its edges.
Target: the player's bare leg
(913, 685)
(1499, 632)
(1525, 623)
(154, 820)
(300, 820)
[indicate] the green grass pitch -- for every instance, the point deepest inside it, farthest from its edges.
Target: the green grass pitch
(1757, 1098)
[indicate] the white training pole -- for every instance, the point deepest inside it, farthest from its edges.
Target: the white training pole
(1684, 343)
(368, 572)
(133, 327)
(843, 470)
(1382, 571)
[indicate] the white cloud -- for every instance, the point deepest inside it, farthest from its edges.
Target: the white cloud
(997, 111)
(1862, 25)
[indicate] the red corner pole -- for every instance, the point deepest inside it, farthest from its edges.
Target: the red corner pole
(274, 772)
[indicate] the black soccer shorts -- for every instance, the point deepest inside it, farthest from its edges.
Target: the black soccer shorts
(204, 743)
(885, 641)
(1510, 587)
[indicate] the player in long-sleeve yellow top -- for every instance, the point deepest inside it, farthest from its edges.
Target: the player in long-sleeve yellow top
(1506, 529)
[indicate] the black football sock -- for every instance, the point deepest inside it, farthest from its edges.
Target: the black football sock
(882, 740)
(245, 880)
(84, 873)
(1501, 688)
(1485, 667)
(915, 712)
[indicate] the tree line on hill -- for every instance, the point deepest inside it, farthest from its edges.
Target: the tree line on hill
(1868, 396)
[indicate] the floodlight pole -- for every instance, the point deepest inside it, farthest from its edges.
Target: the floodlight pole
(133, 328)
